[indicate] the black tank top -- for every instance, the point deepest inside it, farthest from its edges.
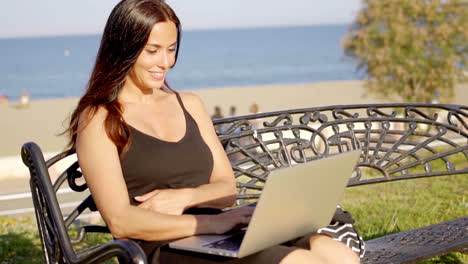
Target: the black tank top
(151, 163)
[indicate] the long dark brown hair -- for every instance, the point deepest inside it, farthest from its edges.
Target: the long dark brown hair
(125, 35)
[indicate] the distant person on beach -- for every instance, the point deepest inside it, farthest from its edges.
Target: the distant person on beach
(150, 155)
(232, 111)
(217, 113)
(253, 108)
(24, 99)
(256, 123)
(3, 99)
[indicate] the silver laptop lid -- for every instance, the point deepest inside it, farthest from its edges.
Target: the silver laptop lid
(298, 200)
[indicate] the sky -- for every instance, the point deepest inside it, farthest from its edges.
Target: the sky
(28, 18)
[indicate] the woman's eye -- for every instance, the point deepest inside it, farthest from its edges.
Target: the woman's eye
(151, 51)
(172, 50)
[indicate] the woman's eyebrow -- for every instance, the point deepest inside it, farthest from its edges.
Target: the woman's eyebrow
(158, 45)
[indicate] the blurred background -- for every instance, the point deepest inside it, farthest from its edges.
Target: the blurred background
(47, 48)
(236, 54)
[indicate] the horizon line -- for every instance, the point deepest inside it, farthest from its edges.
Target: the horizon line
(194, 29)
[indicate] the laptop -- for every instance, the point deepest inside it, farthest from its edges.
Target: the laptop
(294, 201)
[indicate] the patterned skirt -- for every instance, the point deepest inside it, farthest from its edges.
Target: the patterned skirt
(342, 229)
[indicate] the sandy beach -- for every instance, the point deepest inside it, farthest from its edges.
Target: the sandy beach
(43, 120)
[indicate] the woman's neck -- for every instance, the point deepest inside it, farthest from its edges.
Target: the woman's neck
(131, 93)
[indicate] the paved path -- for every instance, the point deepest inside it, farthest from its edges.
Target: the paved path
(16, 200)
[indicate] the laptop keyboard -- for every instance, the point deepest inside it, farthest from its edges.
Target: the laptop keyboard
(231, 243)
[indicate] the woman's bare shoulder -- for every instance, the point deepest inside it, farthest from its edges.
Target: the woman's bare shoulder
(92, 120)
(92, 136)
(92, 116)
(192, 102)
(191, 98)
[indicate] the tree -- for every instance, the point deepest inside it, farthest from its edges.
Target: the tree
(411, 50)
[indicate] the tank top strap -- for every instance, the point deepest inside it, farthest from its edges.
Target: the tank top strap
(180, 101)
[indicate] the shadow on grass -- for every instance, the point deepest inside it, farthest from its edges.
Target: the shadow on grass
(18, 248)
(451, 258)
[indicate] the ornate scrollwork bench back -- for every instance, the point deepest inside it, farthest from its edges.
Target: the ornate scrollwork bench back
(57, 245)
(398, 141)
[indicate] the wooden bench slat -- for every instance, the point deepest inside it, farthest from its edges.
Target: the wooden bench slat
(419, 244)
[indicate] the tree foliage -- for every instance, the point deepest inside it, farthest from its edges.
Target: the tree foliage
(411, 49)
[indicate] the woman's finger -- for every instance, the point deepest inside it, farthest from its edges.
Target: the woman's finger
(146, 196)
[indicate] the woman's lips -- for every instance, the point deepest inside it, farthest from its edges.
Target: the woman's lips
(157, 75)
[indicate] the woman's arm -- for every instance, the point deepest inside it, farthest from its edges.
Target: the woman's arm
(100, 164)
(221, 191)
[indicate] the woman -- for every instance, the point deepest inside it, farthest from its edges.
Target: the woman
(131, 132)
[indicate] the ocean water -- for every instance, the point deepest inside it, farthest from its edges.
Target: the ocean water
(57, 67)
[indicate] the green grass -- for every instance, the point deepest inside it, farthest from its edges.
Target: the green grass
(397, 206)
(392, 207)
(19, 241)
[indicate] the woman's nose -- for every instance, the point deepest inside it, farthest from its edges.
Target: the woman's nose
(164, 60)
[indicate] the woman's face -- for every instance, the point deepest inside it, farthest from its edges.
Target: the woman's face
(157, 57)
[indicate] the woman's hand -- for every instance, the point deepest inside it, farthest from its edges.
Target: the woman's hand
(231, 220)
(167, 201)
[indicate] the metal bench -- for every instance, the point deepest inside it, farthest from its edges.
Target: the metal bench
(398, 142)
(57, 244)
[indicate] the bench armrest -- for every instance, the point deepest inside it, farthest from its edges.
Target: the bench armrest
(127, 251)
